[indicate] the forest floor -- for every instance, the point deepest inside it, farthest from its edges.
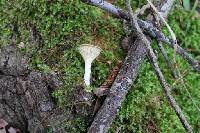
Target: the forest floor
(59, 27)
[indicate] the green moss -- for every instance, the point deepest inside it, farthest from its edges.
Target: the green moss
(146, 108)
(186, 28)
(64, 25)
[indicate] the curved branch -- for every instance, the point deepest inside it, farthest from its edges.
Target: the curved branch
(158, 72)
(120, 87)
(148, 27)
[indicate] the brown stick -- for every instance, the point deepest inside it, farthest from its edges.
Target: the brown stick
(104, 88)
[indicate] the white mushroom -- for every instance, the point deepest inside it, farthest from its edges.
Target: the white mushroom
(89, 53)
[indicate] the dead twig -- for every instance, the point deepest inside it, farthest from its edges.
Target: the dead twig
(120, 87)
(153, 60)
(148, 27)
(174, 41)
(169, 64)
(165, 9)
(104, 88)
(127, 74)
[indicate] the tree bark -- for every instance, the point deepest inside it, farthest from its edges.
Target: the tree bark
(25, 97)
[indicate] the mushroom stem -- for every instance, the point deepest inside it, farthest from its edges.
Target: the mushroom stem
(87, 72)
(89, 53)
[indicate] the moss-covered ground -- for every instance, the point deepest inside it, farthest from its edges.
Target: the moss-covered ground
(65, 24)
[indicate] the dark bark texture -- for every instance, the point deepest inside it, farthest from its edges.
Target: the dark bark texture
(25, 99)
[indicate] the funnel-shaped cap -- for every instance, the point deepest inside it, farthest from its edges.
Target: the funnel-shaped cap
(89, 53)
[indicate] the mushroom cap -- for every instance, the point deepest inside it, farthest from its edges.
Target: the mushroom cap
(89, 52)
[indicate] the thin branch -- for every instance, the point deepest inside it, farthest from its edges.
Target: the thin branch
(174, 41)
(169, 64)
(148, 27)
(164, 11)
(184, 86)
(121, 85)
(153, 60)
(171, 100)
(182, 52)
(143, 9)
